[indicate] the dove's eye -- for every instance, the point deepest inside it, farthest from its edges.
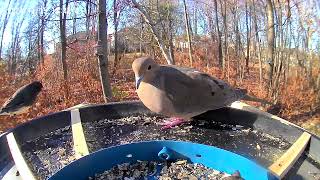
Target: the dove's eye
(149, 67)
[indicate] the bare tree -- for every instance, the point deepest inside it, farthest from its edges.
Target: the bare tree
(156, 33)
(102, 50)
(171, 32)
(88, 13)
(188, 31)
(195, 19)
(210, 23)
(63, 43)
(270, 37)
(15, 48)
(219, 34)
(248, 13)
(225, 27)
(4, 25)
(116, 18)
(288, 42)
(257, 42)
(236, 19)
(41, 30)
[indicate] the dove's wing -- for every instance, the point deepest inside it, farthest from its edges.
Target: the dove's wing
(193, 91)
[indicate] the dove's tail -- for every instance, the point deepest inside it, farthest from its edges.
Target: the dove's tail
(242, 94)
(255, 99)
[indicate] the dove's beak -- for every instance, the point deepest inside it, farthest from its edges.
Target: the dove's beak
(138, 81)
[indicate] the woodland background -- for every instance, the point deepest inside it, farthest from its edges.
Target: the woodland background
(82, 50)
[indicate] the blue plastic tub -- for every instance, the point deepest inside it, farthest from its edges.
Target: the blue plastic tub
(209, 156)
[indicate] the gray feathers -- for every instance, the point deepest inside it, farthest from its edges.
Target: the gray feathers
(23, 98)
(182, 92)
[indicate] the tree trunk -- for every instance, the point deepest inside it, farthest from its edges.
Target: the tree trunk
(41, 41)
(16, 51)
(219, 34)
(210, 24)
(102, 50)
(188, 31)
(270, 37)
(278, 60)
(74, 26)
(42, 31)
(309, 55)
(195, 20)
(141, 35)
(39, 37)
(165, 51)
(238, 40)
(63, 40)
(238, 46)
(248, 38)
(288, 42)
(257, 43)
(171, 31)
(29, 53)
(4, 25)
(88, 12)
(115, 24)
(225, 27)
(236, 29)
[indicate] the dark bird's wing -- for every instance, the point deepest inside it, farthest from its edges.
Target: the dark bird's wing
(23, 97)
(16, 101)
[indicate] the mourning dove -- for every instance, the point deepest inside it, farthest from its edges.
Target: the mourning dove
(180, 92)
(22, 99)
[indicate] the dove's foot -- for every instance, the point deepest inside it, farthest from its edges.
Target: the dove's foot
(172, 122)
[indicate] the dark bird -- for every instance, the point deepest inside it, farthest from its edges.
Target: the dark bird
(22, 99)
(182, 92)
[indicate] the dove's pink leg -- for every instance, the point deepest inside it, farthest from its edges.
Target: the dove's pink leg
(172, 122)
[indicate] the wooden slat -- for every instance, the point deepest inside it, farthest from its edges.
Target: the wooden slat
(11, 174)
(79, 141)
(287, 160)
(246, 107)
(17, 156)
(82, 105)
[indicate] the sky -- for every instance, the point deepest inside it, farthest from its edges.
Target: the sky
(19, 11)
(27, 9)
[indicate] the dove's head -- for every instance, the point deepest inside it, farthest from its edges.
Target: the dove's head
(144, 68)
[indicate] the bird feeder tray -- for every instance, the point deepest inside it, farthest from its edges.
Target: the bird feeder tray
(55, 144)
(158, 151)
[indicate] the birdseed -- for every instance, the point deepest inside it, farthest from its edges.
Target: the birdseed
(141, 170)
(49, 153)
(250, 143)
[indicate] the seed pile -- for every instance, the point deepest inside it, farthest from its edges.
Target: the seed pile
(48, 154)
(128, 171)
(183, 170)
(251, 143)
(180, 169)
